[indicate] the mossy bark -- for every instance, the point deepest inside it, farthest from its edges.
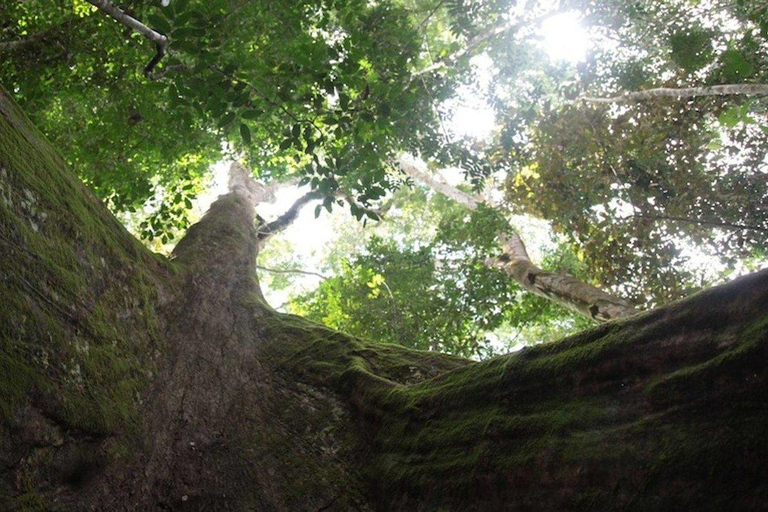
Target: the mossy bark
(132, 382)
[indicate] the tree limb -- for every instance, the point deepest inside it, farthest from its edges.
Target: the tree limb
(267, 230)
(161, 41)
(682, 93)
(563, 289)
(703, 222)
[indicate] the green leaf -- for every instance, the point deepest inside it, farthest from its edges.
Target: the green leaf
(180, 6)
(691, 48)
(226, 119)
(735, 66)
(245, 133)
(286, 144)
(159, 23)
(187, 33)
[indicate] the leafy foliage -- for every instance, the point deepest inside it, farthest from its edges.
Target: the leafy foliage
(436, 292)
(319, 89)
(643, 191)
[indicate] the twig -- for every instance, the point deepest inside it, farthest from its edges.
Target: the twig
(161, 41)
(500, 28)
(431, 13)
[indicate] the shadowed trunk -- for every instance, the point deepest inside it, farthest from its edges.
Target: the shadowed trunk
(131, 382)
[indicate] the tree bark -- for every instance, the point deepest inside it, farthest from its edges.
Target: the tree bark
(683, 93)
(564, 289)
(131, 382)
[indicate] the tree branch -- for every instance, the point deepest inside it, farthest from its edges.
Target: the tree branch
(161, 41)
(472, 44)
(10, 46)
(563, 289)
(682, 93)
(286, 219)
(438, 185)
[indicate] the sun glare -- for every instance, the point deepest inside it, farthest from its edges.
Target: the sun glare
(564, 39)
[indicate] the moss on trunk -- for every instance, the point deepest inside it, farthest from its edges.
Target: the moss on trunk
(129, 381)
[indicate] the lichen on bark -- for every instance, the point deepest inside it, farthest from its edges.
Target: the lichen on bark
(134, 382)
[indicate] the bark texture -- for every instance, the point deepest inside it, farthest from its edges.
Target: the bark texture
(130, 382)
(564, 289)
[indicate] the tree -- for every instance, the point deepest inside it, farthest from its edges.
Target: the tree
(642, 189)
(561, 288)
(131, 381)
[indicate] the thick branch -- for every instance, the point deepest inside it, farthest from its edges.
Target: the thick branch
(563, 289)
(161, 42)
(686, 92)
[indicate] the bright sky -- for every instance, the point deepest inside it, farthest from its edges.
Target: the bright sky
(564, 39)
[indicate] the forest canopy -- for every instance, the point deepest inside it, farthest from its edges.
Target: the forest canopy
(644, 158)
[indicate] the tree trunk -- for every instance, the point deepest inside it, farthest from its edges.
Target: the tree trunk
(131, 382)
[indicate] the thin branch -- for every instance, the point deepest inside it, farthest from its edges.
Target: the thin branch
(286, 219)
(10, 46)
(292, 271)
(437, 184)
(472, 44)
(431, 13)
(161, 42)
(682, 93)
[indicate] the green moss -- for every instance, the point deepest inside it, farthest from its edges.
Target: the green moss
(613, 416)
(77, 321)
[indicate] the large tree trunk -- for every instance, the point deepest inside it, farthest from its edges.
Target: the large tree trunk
(130, 382)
